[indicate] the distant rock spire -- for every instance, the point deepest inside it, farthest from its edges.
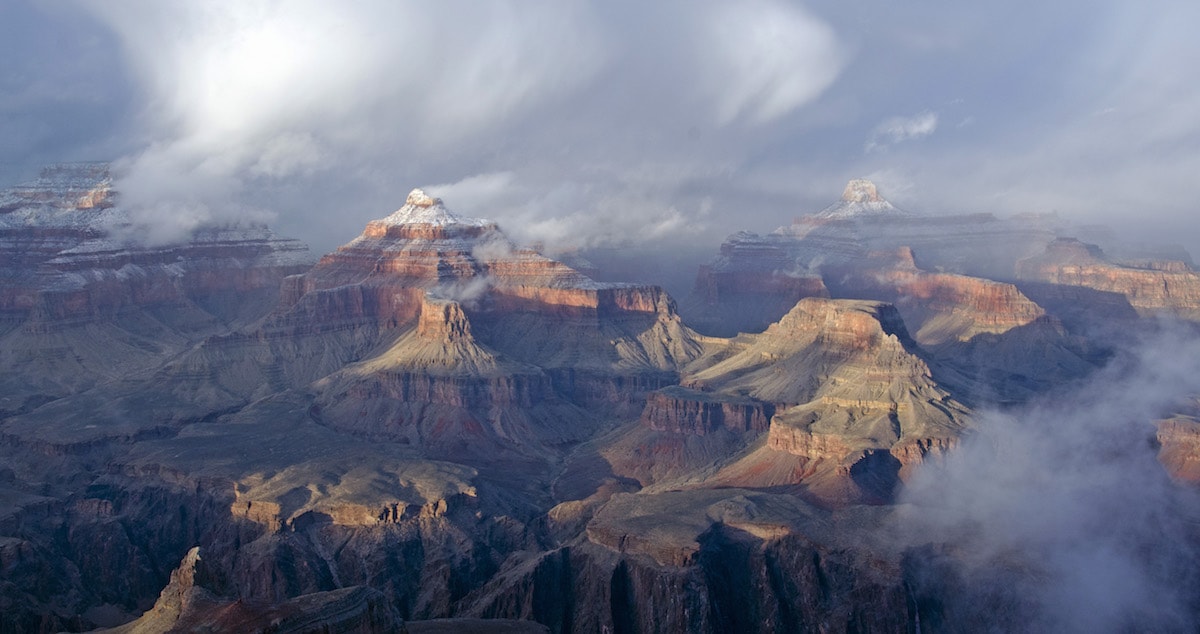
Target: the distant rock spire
(861, 190)
(859, 199)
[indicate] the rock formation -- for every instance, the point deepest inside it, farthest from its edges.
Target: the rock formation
(737, 291)
(986, 339)
(1148, 287)
(847, 409)
(79, 305)
(434, 428)
(185, 605)
(989, 342)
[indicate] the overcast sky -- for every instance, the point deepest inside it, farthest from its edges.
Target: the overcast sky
(598, 121)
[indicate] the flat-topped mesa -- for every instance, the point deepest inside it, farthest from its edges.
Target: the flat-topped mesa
(1067, 251)
(64, 186)
(424, 217)
(847, 325)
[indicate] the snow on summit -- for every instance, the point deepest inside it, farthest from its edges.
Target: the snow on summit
(860, 198)
(421, 208)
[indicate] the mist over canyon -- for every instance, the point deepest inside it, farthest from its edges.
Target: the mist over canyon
(869, 419)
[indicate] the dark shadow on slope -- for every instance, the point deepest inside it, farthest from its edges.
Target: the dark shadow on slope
(877, 475)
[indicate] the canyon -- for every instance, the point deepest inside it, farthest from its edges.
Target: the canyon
(433, 428)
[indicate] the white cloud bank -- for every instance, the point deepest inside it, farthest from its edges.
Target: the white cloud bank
(243, 96)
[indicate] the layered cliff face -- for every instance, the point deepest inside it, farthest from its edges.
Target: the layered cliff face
(477, 340)
(988, 341)
(526, 333)
(61, 238)
(846, 408)
(866, 409)
(186, 605)
(80, 305)
(749, 285)
(707, 561)
(438, 388)
(938, 307)
(744, 287)
(1148, 287)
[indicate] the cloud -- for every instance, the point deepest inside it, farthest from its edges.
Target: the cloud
(327, 115)
(1062, 511)
(239, 92)
(467, 292)
(769, 59)
(244, 98)
(900, 129)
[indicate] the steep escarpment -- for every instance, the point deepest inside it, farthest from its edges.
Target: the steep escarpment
(751, 283)
(81, 304)
(680, 410)
(437, 387)
(428, 315)
(705, 561)
(280, 506)
(1148, 287)
(187, 605)
(68, 258)
(1178, 438)
(755, 279)
(938, 307)
(988, 341)
(867, 411)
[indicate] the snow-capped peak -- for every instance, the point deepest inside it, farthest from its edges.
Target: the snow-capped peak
(422, 209)
(860, 198)
(861, 190)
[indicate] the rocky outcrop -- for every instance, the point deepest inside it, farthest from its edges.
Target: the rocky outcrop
(1149, 287)
(855, 406)
(430, 321)
(440, 427)
(987, 340)
(795, 359)
(703, 561)
(1178, 439)
(185, 605)
(684, 411)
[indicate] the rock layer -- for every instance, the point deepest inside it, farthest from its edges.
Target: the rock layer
(1149, 287)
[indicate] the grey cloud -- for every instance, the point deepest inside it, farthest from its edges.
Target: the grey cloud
(251, 91)
(900, 129)
(325, 115)
(1063, 508)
